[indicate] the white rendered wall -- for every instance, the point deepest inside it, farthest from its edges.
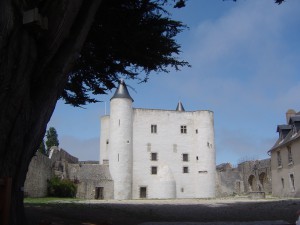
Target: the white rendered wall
(120, 141)
(204, 149)
(104, 138)
(187, 185)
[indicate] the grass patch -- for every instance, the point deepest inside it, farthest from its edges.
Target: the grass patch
(49, 200)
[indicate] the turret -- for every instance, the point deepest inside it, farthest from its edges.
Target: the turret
(120, 151)
(180, 107)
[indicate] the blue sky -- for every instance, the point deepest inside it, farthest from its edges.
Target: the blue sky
(245, 59)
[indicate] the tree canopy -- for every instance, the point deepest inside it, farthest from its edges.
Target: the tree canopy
(52, 139)
(42, 148)
(127, 37)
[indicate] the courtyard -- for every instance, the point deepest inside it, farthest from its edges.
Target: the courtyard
(185, 211)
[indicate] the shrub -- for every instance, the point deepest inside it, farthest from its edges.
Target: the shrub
(61, 188)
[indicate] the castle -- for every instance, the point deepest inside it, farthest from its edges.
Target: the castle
(154, 153)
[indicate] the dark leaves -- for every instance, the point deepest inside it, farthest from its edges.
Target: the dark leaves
(128, 37)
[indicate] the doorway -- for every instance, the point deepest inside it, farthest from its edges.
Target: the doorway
(143, 192)
(99, 193)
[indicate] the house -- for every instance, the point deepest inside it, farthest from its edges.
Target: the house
(285, 158)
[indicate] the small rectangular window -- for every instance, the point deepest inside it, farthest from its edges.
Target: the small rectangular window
(185, 157)
(185, 169)
(153, 156)
(153, 169)
(183, 129)
(279, 159)
(282, 182)
(149, 147)
(290, 156)
(175, 148)
(196, 131)
(153, 128)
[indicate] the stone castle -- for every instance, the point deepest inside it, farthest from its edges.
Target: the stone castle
(155, 153)
(150, 153)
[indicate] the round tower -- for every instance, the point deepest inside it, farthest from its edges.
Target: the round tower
(204, 150)
(120, 138)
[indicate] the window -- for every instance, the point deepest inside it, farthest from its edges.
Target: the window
(185, 157)
(175, 148)
(196, 131)
(183, 129)
(282, 182)
(292, 181)
(279, 159)
(290, 157)
(153, 156)
(153, 129)
(185, 169)
(153, 169)
(148, 147)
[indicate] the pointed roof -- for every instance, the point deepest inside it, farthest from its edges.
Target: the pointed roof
(122, 91)
(180, 107)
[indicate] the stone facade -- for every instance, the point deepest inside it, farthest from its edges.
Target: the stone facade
(155, 153)
(248, 177)
(92, 180)
(285, 158)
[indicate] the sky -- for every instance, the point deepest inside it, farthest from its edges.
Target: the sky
(245, 59)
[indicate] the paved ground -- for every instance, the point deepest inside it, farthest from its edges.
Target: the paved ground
(146, 212)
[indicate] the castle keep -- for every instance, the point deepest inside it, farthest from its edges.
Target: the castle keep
(154, 153)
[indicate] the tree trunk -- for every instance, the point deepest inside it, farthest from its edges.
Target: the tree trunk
(34, 64)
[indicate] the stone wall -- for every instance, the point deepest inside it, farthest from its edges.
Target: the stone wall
(88, 178)
(58, 154)
(247, 177)
(39, 172)
(229, 181)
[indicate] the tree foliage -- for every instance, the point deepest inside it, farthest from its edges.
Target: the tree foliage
(42, 148)
(128, 37)
(52, 139)
(61, 188)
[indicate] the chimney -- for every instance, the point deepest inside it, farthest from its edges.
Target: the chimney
(289, 114)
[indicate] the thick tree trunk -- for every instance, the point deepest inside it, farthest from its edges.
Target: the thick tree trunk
(34, 64)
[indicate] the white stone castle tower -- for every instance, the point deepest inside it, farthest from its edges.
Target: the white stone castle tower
(154, 153)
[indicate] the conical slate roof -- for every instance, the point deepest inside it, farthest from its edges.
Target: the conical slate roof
(122, 91)
(180, 107)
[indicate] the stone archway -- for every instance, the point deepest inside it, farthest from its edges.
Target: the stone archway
(252, 183)
(263, 180)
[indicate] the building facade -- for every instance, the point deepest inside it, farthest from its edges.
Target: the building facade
(155, 153)
(285, 158)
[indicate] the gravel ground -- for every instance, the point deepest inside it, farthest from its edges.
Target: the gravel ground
(133, 212)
